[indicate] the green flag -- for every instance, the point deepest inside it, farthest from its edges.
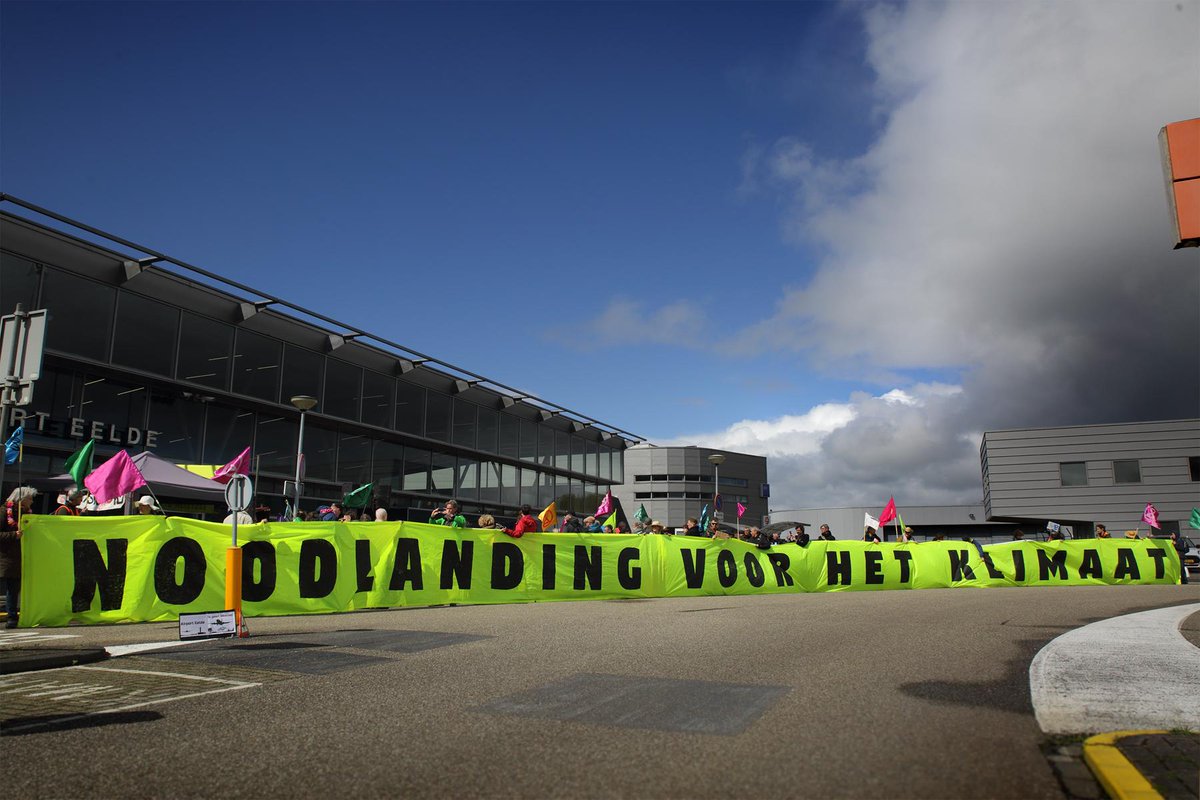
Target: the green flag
(640, 515)
(1195, 520)
(80, 463)
(359, 497)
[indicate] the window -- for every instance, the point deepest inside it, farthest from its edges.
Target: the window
(79, 314)
(320, 452)
(464, 423)
(18, 283)
(489, 482)
(443, 474)
(486, 431)
(145, 335)
(303, 373)
(1073, 473)
(529, 442)
(416, 470)
(343, 388)
(205, 347)
(437, 416)
(410, 408)
(466, 484)
(378, 392)
(388, 465)
(179, 423)
(1129, 471)
(256, 362)
(227, 432)
(354, 460)
(510, 428)
(1194, 467)
(275, 443)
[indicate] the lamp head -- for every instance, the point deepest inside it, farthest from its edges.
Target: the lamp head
(304, 402)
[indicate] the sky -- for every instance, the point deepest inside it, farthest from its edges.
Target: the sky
(850, 237)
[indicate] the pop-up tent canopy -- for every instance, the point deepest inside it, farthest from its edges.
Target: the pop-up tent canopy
(166, 479)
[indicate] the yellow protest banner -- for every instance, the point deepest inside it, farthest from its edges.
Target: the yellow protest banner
(127, 569)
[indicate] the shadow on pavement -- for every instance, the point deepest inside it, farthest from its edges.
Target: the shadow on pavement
(25, 726)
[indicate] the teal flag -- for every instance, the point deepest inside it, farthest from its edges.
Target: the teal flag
(1195, 520)
(359, 497)
(704, 518)
(640, 515)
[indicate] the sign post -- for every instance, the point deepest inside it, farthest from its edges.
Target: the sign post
(22, 335)
(238, 494)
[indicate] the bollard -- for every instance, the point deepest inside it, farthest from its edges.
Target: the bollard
(233, 587)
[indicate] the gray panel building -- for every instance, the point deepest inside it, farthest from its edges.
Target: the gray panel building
(1084, 474)
(675, 483)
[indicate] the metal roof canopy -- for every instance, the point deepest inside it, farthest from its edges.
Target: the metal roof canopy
(258, 312)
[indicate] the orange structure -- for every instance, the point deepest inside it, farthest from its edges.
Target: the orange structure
(1180, 146)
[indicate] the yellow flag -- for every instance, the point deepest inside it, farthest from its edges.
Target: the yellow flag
(612, 521)
(548, 517)
(203, 470)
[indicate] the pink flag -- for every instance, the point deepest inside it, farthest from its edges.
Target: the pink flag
(239, 466)
(889, 512)
(1150, 516)
(115, 477)
(741, 510)
(606, 506)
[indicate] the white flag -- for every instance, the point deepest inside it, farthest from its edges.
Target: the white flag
(870, 522)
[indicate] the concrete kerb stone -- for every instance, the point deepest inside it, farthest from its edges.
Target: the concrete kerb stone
(29, 659)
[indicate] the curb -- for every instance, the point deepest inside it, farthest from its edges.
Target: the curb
(13, 661)
(1119, 777)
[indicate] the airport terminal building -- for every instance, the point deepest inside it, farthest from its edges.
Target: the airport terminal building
(146, 352)
(674, 483)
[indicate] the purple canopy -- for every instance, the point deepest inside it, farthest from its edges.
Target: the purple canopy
(165, 479)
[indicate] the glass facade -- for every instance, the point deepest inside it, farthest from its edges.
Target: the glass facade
(135, 372)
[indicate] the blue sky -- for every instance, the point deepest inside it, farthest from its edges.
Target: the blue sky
(733, 224)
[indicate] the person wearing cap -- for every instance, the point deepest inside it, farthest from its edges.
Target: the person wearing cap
(146, 505)
(242, 518)
(657, 527)
(19, 503)
(1132, 535)
(69, 507)
(907, 537)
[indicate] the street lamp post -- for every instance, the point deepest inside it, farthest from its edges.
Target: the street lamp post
(304, 403)
(717, 459)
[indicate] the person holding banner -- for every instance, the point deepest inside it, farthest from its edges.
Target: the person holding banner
(526, 523)
(19, 503)
(869, 535)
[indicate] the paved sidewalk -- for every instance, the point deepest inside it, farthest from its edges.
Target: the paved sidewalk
(1146, 764)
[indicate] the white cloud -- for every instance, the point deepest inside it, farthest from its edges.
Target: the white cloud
(856, 452)
(1009, 223)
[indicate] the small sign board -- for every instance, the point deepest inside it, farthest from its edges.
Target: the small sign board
(239, 492)
(208, 625)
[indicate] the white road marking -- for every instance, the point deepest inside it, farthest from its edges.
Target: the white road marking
(25, 637)
(28, 685)
(115, 650)
(1135, 672)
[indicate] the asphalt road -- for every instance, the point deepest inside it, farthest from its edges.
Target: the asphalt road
(886, 694)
